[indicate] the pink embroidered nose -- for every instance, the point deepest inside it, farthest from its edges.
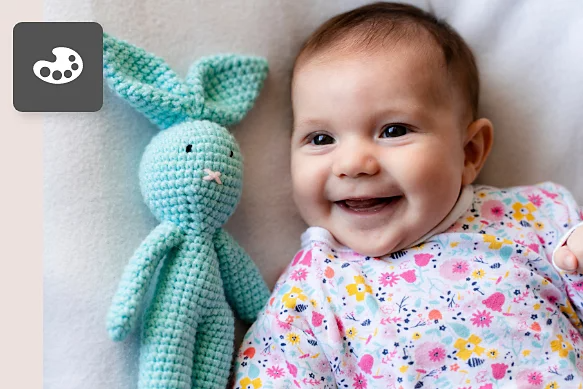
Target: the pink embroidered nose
(212, 176)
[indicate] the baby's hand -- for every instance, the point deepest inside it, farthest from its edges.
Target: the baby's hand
(570, 256)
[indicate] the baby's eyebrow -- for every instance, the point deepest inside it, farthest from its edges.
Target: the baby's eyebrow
(310, 123)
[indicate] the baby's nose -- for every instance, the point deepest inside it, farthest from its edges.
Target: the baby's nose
(212, 175)
(355, 162)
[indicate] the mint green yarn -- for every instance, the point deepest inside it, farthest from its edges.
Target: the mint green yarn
(191, 179)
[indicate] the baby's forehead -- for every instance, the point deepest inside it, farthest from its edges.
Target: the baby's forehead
(419, 59)
(419, 63)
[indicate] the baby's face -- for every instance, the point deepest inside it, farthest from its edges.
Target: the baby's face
(377, 148)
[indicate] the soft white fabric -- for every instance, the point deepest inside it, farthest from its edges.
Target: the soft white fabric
(530, 56)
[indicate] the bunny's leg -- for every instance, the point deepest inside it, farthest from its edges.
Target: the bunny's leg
(214, 348)
(167, 353)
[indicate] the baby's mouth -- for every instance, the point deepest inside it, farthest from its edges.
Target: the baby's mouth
(366, 205)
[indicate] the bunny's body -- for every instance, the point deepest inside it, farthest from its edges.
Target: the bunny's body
(191, 179)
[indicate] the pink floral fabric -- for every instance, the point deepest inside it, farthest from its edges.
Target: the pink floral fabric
(479, 305)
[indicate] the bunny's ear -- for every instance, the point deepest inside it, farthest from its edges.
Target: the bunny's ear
(148, 83)
(229, 83)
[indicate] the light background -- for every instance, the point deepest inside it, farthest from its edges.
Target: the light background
(530, 56)
(21, 226)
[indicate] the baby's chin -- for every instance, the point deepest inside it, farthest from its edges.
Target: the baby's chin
(369, 246)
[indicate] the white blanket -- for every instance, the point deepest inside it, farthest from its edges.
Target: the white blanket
(529, 54)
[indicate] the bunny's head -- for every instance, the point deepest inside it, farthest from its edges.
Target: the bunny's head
(190, 173)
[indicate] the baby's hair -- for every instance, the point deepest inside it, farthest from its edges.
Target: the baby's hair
(372, 25)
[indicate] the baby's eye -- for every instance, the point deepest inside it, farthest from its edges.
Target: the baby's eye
(188, 148)
(394, 131)
(322, 139)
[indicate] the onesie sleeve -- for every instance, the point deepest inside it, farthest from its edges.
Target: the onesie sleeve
(567, 216)
(280, 349)
(276, 354)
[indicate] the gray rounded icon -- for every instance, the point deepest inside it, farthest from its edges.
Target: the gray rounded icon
(67, 67)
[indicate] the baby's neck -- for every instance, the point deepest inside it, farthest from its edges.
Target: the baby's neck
(462, 204)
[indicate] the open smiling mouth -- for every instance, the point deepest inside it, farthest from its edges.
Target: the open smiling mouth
(371, 205)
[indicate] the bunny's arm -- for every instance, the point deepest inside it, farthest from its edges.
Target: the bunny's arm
(245, 288)
(122, 315)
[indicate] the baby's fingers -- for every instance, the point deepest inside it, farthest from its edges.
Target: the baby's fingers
(575, 243)
(567, 261)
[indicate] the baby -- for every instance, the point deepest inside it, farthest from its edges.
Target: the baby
(409, 276)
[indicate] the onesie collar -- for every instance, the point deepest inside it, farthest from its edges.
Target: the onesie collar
(464, 201)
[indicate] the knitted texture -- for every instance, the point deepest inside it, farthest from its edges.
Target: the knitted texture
(191, 179)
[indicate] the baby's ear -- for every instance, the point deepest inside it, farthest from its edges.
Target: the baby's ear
(229, 83)
(477, 146)
(148, 83)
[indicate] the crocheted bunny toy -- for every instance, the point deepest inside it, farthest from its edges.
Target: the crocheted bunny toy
(191, 179)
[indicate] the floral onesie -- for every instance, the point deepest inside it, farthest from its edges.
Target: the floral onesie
(477, 304)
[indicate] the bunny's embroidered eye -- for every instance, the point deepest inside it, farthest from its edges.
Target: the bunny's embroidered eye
(188, 148)
(231, 155)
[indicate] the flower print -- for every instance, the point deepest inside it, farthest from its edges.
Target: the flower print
(313, 303)
(523, 211)
(467, 347)
(249, 383)
(478, 274)
(422, 259)
(434, 314)
(351, 332)
(482, 318)
(495, 301)
(460, 267)
(293, 370)
(416, 336)
(388, 279)
(454, 367)
(329, 272)
(535, 199)
(534, 247)
(529, 379)
(429, 355)
(574, 336)
(283, 325)
(493, 209)
(550, 295)
(521, 275)
(360, 381)
(437, 354)
(539, 225)
(409, 276)
(487, 386)
(275, 372)
(366, 363)
(495, 242)
(454, 269)
(535, 378)
(499, 370)
(290, 298)
(561, 346)
(293, 338)
(482, 376)
(323, 366)
(552, 385)
(339, 324)
(578, 286)
(492, 353)
(299, 274)
(359, 288)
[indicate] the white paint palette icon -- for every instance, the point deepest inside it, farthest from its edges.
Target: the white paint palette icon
(66, 68)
